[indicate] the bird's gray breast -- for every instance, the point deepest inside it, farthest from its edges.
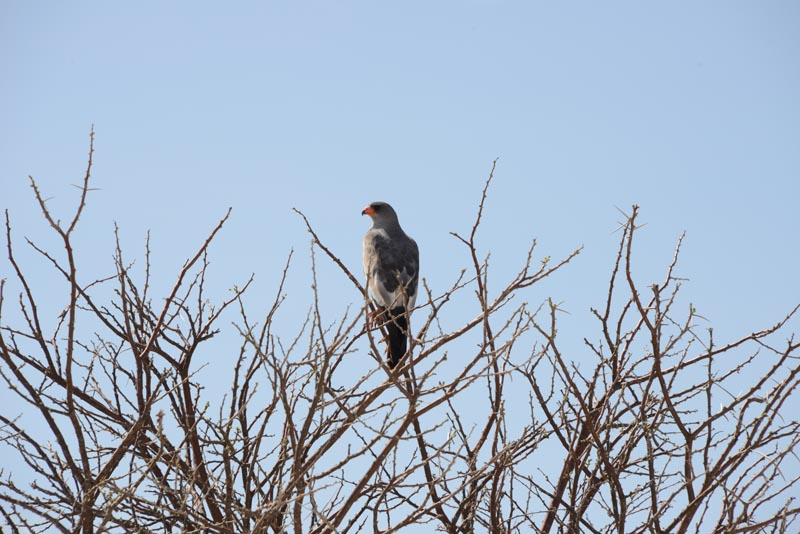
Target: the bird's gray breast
(391, 265)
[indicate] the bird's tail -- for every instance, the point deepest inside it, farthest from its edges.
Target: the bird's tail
(397, 329)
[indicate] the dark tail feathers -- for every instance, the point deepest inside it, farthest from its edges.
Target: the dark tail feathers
(397, 328)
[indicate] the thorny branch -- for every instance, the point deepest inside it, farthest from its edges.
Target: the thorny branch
(498, 425)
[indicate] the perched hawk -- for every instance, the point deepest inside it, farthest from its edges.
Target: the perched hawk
(391, 263)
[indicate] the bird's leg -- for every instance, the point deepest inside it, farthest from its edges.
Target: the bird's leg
(375, 317)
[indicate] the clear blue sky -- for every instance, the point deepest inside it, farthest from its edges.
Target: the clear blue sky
(689, 109)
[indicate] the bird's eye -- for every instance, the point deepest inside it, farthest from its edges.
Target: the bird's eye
(376, 207)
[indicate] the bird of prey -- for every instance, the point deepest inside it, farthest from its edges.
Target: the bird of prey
(391, 264)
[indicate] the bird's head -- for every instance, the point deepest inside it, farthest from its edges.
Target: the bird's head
(380, 213)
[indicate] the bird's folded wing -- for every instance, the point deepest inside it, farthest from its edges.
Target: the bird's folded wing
(391, 266)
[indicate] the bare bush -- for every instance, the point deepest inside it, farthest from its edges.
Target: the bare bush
(644, 434)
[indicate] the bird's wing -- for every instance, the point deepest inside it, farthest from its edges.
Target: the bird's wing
(391, 265)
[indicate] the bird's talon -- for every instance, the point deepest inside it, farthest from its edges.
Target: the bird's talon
(373, 318)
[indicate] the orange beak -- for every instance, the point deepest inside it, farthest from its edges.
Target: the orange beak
(368, 211)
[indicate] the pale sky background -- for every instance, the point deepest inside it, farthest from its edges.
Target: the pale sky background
(689, 109)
